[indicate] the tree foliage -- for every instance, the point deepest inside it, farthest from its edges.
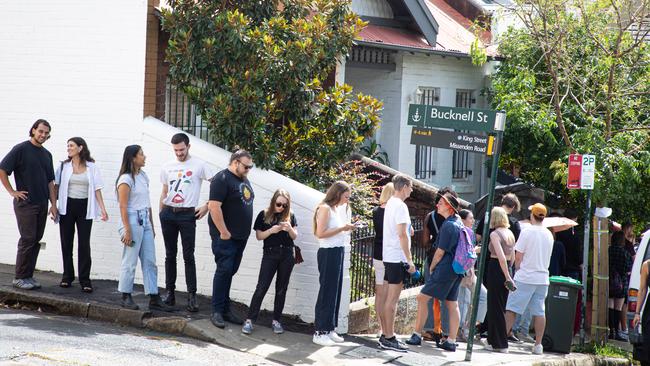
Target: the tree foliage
(256, 69)
(576, 79)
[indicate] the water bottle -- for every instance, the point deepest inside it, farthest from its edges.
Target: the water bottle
(414, 277)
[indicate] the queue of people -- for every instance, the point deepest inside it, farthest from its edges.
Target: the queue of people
(515, 283)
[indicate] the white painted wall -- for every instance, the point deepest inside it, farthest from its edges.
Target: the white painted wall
(398, 89)
(80, 65)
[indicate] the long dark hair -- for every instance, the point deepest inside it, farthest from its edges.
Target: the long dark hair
(269, 213)
(84, 154)
(127, 162)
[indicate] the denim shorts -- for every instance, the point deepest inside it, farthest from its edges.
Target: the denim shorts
(527, 297)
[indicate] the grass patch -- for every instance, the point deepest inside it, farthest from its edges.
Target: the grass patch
(606, 350)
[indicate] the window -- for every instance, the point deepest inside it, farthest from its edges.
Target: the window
(460, 166)
(424, 155)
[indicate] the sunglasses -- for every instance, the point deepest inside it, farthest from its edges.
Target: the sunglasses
(283, 205)
(247, 167)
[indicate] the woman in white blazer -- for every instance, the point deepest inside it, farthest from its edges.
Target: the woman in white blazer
(79, 183)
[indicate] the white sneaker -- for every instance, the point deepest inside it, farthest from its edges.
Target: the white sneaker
(538, 349)
(323, 340)
(335, 337)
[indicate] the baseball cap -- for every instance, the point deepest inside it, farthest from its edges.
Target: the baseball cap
(538, 210)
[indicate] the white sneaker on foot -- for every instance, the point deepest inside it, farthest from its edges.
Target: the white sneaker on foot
(538, 349)
(323, 340)
(335, 337)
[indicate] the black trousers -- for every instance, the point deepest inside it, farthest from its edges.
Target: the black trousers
(75, 216)
(31, 220)
(496, 305)
(172, 224)
(330, 268)
(278, 260)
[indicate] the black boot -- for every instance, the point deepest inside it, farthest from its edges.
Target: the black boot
(170, 298)
(611, 321)
(156, 303)
(192, 304)
(128, 303)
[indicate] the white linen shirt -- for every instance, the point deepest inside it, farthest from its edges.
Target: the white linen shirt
(95, 182)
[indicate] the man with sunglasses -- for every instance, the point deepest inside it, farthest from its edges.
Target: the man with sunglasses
(181, 179)
(231, 217)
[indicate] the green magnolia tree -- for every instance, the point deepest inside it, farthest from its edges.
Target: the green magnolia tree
(576, 79)
(256, 69)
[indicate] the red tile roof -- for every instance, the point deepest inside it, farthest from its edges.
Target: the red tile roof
(454, 36)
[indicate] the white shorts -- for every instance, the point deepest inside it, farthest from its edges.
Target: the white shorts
(380, 271)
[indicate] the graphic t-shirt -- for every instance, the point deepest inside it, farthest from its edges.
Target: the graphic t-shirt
(183, 180)
(396, 213)
(236, 197)
(33, 170)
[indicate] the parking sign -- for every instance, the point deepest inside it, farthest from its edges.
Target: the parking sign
(588, 172)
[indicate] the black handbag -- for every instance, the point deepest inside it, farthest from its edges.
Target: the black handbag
(298, 254)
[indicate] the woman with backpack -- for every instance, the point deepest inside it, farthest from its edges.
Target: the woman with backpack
(499, 280)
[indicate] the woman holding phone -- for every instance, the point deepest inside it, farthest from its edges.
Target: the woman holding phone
(136, 230)
(276, 226)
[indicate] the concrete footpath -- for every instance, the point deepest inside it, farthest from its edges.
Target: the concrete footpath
(293, 347)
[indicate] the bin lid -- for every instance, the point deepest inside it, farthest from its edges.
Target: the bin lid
(565, 280)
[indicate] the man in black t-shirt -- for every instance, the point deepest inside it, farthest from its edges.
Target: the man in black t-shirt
(231, 216)
(572, 246)
(34, 178)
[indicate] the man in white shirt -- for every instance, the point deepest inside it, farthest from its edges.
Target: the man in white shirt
(396, 256)
(181, 179)
(532, 257)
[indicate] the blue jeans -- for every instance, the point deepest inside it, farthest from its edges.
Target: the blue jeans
(227, 255)
(144, 248)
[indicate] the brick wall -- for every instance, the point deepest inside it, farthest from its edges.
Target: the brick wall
(81, 66)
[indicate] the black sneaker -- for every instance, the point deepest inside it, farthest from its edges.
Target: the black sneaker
(156, 303)
(170, 298)
(415, 340)
(448, 346)
(392, 344)
(381, 339)
(232, 318)
(128, 303)
(513, 338)
(217, 320)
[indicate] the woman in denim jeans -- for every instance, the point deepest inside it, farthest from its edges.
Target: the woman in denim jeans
(276, 226)
(136, 230)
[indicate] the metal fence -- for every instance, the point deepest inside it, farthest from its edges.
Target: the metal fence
(362, 274)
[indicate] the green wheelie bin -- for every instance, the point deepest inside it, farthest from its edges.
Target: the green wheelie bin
(560, 313)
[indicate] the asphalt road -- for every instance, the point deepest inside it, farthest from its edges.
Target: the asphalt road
(34, 338)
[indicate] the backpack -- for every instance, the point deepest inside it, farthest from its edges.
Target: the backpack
(465, 256)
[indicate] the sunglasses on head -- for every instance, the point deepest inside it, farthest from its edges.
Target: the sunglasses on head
(283, 205)
(247, 167)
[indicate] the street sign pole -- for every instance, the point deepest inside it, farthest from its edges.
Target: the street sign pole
(585, 261)
(499, 127)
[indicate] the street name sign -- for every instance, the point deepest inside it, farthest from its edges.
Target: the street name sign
(453, 140)
(429, 116)
(582, 171)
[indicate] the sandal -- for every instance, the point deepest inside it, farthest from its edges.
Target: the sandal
(87, 289)
(65, 284)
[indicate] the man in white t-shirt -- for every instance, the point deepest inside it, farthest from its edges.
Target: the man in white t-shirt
(396, 256)
(532, 257)
(181, 179)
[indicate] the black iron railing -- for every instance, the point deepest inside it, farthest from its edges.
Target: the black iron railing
(362, 274)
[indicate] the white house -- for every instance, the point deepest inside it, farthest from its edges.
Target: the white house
(417, 51)
(91, 69)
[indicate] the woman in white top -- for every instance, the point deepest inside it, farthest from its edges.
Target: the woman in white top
(331, 227)
(79, 201)
(136, 230)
